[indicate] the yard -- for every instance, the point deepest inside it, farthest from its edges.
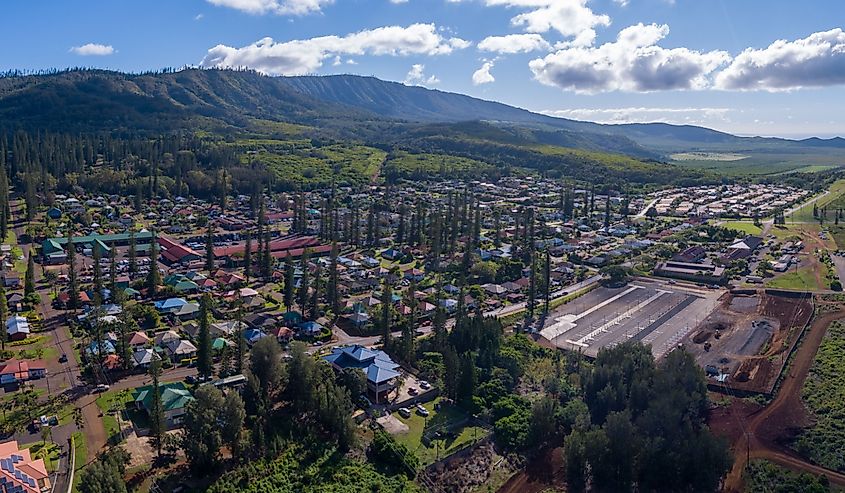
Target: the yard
(746, 227)
(833, 200)
(113, 400)
(48, 451)
(802, 279)
(445, 429)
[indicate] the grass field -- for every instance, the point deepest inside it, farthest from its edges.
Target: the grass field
(805, 214)
(803, 278)
(708, 156)
(50, 452)
(454, 439)
(80, 456)
(759, 164)
(746, 227)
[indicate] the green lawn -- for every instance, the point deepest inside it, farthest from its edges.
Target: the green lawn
(50, 453)
(803, 278)
(107, 401)
(452, 439)
(746, 227)
(80, 456)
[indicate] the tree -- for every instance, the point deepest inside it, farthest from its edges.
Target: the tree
(234, 416)
(331, 289)
(158, 424)
(203, 437)
(204, 356)
(290, 280)
(547, 281)
(615, 275)
(73, 282)
(153, 276)
(133, 255)
(29, 277)
(105, 475)
(386, 305)
(315, 295)
(266, 371)
(304, 282)
(248, 256)
(209, 248)
(4, 314)
(98, 275)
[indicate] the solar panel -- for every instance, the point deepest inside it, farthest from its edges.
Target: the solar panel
(5, 464)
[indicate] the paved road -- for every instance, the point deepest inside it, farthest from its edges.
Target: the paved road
(645, 209)
(344, 339)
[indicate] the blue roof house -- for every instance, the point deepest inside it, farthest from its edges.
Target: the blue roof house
(382, 373)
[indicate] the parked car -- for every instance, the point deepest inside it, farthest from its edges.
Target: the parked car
(404, 412)
(425, 385)
(191, 379)
(63, 358)
(101, 388)
(422, 411)
(412, 391)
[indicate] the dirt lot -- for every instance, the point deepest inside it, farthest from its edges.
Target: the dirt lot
(748, 337)
(765, 433)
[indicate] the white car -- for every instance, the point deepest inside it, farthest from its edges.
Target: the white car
(404, 412)
(422, 411)
(424, 385)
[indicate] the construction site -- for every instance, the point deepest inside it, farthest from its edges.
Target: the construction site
(653, 312)
(744, 343)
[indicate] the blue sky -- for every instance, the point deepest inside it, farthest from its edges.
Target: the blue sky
(717, 63)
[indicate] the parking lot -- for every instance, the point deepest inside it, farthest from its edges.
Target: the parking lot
(655, 313)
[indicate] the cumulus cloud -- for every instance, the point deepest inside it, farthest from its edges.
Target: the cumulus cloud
(416, 76)
(299, 57)
(514, 43)
(644, 115)
(571, 18)
(278, 7)
(483, 75)
(634, 62)
(815, 61)
(92, 49)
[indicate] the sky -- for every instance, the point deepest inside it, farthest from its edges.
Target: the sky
(749, 67)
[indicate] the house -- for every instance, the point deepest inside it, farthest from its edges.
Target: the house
(11, 279)
(18, 328)
(311, 328)
(103, 348)
(20, 473)
(144, 357)
(692, 254)
(391, 254)
(282, 334)
(137, 340)
(359, 319)
(169, 305)
(743, 248)
(706, 273)
(162, 338)
(15, 371)
(226, 328)
(173, 253)
(253, 335)
(54, 213)
(380, 370)
(188, 311)
(174, 397)
(181, 351)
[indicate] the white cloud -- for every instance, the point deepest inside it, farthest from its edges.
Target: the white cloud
(571, 18)
(278, 7)
(483, 75)
(416, 76)
(514, 43)
(688, 116)
(198, 17)
(299, 57)
(815, 61)
(621, 3)
(632, 63)
(92, 49)
(398, 1)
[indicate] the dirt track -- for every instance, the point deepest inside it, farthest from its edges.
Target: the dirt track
(763, 431)
(543, 473)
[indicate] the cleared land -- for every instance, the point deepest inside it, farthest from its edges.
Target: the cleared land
(708, 156)
(445, 431)
(747, 337)
(835, 195)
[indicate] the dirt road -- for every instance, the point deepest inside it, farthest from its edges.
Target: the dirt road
(763, 431)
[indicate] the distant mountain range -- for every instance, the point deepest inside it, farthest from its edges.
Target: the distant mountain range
(345, 105)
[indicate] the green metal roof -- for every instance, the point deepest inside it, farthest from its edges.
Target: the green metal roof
(173, 396)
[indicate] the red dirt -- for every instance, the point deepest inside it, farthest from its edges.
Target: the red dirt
(763, 433)
(544, 472)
